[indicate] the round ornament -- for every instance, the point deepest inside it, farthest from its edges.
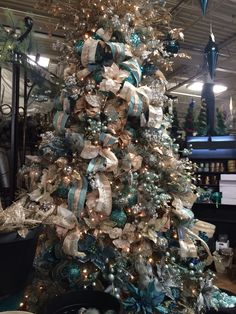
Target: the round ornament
(119, 217)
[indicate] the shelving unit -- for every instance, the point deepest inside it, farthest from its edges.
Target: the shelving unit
(214, 156)
(215, 153)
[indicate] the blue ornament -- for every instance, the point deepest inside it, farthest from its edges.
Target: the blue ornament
(172, 46)
(62, 191)
(97, 76)
(135, 39)
(79, 46)
(204, 5)
(211, 54)
(119, 217)
(149, 69)
(72, 273)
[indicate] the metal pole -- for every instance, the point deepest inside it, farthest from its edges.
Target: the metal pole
(14, 125)
(25, 117)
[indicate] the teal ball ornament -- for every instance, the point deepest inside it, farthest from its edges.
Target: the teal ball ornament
(79, 46)
(62, 191)
(97, 76)
(119, 217)
(71, 272)
(135, 39)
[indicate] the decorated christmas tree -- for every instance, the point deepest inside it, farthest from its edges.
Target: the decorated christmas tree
(109, 178)
(202, 126)
(189, 124)
(221, 128)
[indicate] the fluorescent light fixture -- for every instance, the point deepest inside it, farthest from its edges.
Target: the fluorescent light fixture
(43, 61)
(197, 87)
(219, 88)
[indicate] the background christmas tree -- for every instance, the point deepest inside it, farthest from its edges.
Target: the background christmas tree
(189, 124)
(110, 177)
(201, 123)
(175, 127)
(221, 128)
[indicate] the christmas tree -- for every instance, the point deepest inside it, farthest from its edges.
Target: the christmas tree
(189, 124)
(111, 179)
(221, 128)
(202, 126)
(175, 128)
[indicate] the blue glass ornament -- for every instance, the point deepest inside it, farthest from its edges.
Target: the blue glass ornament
(79, 46)
(119, 217)
(135, 39)
(211, 54)
(97, 76)
(62, 191)
(149, 69)
(204, 5)
(192, 104)
(171, 45)
(72, 273)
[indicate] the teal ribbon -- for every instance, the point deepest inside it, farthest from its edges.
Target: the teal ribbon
(118, 51)
(133, 67)
(135, 106)
(59, 121)
(107, 139)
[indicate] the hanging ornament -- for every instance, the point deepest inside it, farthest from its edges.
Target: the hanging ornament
(171, 45)
(211, 53)
(204, 5)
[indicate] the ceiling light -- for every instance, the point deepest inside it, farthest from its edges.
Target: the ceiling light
(197, 87)
(43, 61)
(219, 88)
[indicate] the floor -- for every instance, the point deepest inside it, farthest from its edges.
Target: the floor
(226, 282)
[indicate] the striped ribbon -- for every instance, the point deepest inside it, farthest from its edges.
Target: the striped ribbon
(107, 139)
(97, 164)
(118, 51)
(89, 50)
(135, 106)
(133, 67)
(59, 121)
(104, 203)
(77, 196)
(66, 105)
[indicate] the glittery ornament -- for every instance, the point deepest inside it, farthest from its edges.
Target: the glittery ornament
(204, 5)
(135, 39)
(119, 217)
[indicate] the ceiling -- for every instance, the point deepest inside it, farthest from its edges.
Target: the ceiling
(186, 14)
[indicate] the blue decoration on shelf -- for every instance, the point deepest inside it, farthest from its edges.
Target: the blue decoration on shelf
(135, 40)
(204, 5)
(119, 217)
(211, 54)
